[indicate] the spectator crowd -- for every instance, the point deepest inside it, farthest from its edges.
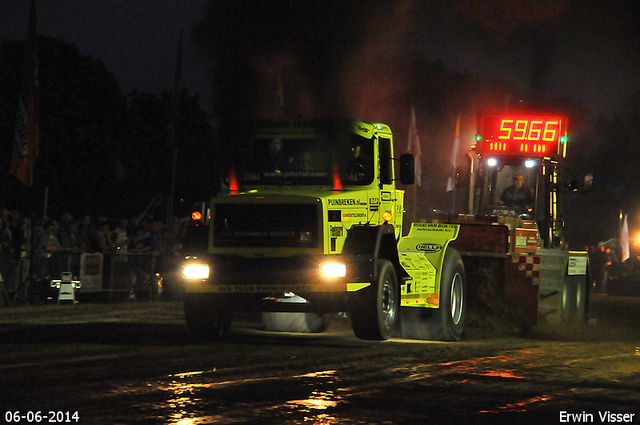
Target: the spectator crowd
(21, 237)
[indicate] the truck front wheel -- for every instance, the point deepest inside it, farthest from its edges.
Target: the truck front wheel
(446, 322)
(375, 310)
(207, 316)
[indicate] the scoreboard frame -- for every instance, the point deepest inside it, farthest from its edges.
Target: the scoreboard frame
(522, 135)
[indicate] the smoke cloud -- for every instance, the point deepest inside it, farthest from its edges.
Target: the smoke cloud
(332, 57)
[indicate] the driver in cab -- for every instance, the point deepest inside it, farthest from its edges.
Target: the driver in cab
(277, 161)
(517, 196)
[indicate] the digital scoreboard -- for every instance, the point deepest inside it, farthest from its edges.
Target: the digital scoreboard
(522, 135)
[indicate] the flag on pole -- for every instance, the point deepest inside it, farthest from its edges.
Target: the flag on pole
(624, 240)
(414, 145)
(451, 183)
(27, 130)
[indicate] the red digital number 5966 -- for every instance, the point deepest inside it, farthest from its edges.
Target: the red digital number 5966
(523, 129)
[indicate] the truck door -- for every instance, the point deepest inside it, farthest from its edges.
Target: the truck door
(388, 198)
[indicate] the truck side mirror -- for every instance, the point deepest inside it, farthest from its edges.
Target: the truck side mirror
(407, 169)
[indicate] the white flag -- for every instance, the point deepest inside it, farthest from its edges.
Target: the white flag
(451, 183)
(624, 240)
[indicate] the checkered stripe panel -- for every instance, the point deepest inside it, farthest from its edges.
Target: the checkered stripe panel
(530, 264)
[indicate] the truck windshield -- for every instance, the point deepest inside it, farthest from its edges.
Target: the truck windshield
(510, 190)
(308, 161)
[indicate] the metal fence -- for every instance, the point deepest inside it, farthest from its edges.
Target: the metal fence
(102, 275)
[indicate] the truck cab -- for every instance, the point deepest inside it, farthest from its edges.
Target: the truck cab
(296, 189)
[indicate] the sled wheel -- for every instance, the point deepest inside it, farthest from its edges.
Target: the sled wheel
(376, 308)
(575, 302)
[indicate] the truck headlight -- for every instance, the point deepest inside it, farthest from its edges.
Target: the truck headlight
(195, 271)
(333, 270)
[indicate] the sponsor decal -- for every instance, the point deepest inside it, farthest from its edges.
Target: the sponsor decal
(429, 247)
(268, 289)
(578, 265)
(347, 216)
(337, 231)
(434, 227)
(344, 201)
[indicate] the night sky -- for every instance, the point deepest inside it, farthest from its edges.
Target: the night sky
(337, 56)
(136, 40)
(586, 50)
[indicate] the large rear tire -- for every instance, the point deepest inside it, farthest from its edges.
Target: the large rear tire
(375, 310)
(208, 316)
(445, 323)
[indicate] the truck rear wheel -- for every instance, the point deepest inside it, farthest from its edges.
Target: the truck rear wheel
(445, 323)
(375, 311)
(207, 316)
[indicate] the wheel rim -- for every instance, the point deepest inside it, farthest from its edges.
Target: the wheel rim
(388, 303)
(457, 300)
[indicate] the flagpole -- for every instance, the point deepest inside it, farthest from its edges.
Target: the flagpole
(413, 147)
(175, 101)
(26, 129)
(451, 182)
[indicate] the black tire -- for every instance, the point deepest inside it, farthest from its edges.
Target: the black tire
(445, 323)
(376, 308)
(207, 316)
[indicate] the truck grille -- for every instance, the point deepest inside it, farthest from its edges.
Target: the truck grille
(266, 225)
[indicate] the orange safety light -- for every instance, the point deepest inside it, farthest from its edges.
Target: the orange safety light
(387, 216)
(196, 216)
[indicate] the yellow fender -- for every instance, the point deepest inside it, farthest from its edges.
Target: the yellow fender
(421, 254)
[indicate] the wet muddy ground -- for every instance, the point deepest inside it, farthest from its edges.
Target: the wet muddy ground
(135, 363)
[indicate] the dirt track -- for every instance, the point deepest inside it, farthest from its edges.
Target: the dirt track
(136, 363)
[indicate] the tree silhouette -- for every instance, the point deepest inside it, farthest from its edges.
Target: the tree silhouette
(100, 152)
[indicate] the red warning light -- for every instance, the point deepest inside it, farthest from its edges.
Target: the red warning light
(337, 183)
(233, 180)
(196, 216)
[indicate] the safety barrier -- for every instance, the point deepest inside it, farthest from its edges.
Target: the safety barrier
(102, 276)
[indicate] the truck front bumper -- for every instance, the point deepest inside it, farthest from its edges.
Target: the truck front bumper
(260, 278)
